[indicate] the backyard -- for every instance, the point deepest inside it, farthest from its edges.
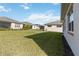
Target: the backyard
(30, 43)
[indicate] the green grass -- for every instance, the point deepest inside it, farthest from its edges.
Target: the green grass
(30, 43)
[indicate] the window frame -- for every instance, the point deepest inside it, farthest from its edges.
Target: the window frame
(70, 20)
(17, 25)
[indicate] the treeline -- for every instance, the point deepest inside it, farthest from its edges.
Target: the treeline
(26, 27)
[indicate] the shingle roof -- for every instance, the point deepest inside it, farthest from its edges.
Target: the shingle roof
(54, 23)
(6, 19)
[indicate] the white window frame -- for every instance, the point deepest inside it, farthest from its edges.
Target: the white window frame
(70, 20)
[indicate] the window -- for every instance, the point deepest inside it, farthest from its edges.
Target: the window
(17, 25)
(70, 20)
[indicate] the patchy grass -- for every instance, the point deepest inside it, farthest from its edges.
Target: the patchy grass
(30, 43)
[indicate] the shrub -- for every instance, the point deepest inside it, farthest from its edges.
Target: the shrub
(26, 27)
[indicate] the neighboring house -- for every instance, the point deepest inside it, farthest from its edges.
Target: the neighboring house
(70, 19)
(37, 26)
(55, 26)
(6, 22)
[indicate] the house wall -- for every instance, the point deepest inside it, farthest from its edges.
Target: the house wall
(53, 28)
(35, 27)
(4, 25)
(16, 26)
(73, 40)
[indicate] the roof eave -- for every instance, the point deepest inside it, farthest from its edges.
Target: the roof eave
(64, 8)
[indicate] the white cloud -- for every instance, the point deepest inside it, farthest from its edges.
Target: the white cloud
(25, 6)
(3, 9)
(42, 18)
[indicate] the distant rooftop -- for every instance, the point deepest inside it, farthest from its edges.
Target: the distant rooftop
(58, 22)
(38, 25)
(6, 19)
(28, 23)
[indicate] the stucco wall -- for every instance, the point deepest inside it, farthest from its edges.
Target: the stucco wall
(35, 27)
(53, 28)
(13, 26)
(73, 40)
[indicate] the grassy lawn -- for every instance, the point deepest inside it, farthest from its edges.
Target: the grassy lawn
(30, 43)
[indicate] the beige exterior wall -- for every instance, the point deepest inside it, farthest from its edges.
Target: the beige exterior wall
(53, 28)
(16, 26)
(73, 40)
(35, 27)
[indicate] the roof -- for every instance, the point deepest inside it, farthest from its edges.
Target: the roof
(54, 23)
(64, 8)
(37, 24)
(27, 23)
(6, 19)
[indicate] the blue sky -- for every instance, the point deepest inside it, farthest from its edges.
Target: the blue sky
(36, 13)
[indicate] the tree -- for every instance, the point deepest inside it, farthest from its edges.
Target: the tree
(26, 27)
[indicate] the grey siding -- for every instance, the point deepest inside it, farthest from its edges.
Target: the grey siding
(5, 25)
(73, 40)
